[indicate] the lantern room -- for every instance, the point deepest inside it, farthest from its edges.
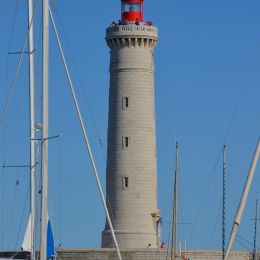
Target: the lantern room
(132, 10)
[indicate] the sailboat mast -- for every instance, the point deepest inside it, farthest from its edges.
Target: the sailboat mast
(243, 200)
(224, 202)
(255, 234)
(176, 198)
(174, 239)
(32, 129)
(45, 110)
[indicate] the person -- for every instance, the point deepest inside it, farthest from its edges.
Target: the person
(119, 22)
(137, 21)
(113, 24)
(162, 245)
(149, 246)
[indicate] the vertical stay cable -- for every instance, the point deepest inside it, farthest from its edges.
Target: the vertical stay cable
(13, 207)
(23, 213)
(10, 39)
(85, 96)
(60, 193)
(225, 139)
(85, 136)
(205, 195)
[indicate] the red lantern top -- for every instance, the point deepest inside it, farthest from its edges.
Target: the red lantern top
(132, 10)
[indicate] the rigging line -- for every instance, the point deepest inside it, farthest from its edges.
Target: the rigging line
(12, 86)
(247, 241)
(81, 83)
(13, 207)
(242, 244)
(86, 98)
(9, 44)
(23, 213)
(244, 85)
(213, 197)
(206, 194)
(216, 223)
(86, 138)
(10, 140)
(13, 25)
(171, 231)
(60, 191)
(11, 37)
(242, 89)
(168, 242)
(2, 207)
(171, 222)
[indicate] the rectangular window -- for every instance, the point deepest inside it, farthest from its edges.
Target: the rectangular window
(131, 7)
(125, 142)
(125, 182)
(125, 102)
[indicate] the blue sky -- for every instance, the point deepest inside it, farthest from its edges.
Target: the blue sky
(207, 93)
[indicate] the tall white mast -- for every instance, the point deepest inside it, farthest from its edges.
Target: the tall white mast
(86, 137)
(32, 128)
(45, 90)
(242, 203)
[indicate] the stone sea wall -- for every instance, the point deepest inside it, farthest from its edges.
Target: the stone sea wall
(144, 254)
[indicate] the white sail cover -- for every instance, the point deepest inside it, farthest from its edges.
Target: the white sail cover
(27, 241)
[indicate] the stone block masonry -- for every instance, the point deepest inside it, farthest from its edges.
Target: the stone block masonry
(145, 254)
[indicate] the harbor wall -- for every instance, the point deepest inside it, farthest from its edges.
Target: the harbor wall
(145, 254)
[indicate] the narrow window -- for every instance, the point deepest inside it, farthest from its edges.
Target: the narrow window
(125, 182)
(126, 141)
(125, 102)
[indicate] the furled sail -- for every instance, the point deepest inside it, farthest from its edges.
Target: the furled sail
(27, 245)
(50, 242)
(27, 241)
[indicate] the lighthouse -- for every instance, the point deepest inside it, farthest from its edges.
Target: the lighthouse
(131, 172)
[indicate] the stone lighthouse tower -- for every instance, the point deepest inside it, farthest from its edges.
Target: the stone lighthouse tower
(131, 175)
